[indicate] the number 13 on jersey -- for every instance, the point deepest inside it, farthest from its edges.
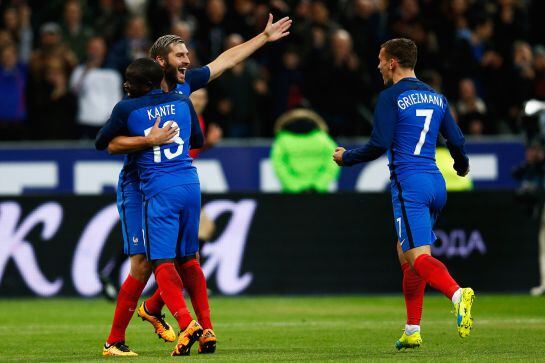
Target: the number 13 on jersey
(176, 139)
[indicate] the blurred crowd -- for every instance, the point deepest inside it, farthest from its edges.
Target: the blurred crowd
(62, 61)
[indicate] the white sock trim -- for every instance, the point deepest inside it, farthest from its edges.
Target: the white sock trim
(411, 329)
(457, 296)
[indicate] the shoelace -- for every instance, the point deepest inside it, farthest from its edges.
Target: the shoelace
(161, 319)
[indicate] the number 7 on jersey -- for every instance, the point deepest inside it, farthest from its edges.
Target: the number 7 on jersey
(427, 113)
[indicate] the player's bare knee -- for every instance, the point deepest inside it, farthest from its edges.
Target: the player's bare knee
(413, 254)
(140, 267)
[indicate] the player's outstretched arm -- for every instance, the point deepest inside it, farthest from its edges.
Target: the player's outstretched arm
(235, 55)
(381, 137)
(128, 144)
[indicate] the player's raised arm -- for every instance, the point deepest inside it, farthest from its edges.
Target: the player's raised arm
(235, 55)
(381, 137)
(127, 144)
(455, 143)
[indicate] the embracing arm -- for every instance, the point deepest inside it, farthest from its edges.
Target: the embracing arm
(231, 57)
(128, 144)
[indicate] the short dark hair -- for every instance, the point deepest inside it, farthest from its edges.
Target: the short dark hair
(402, 49)
(161, 47)
(145, 72)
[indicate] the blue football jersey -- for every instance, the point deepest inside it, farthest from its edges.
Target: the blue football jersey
(195, 79)
(420, 113)
(408, 119)
(167, 165)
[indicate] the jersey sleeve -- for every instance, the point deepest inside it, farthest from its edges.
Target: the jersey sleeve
(196, 140)
(198, 78)
(383, 132)
(455, 141)
(115, 126)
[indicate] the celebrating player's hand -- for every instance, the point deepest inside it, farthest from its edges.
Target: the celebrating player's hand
(278, 30)
(462, 172)
(161, 135)
(338, 155)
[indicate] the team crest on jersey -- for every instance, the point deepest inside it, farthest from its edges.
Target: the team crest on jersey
(135, 240)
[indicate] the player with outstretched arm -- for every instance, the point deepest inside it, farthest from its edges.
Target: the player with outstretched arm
(169, 183)
(172, 55)
(409, 116)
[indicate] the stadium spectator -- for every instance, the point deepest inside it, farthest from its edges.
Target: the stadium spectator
(367, 24)
(51, 46)
(212, 31)
(471, 109)
(133, 45)
(531, 174)
(184, 30)
(75, 32)
(16, 22)
(109, 19)
(458, 38)
(300, 153)
(474, 56)
(241, 20)
(212, 131)
(521, 76)
(236, 111)
(169, 12)
(432, 78)
(340, 68)
(97, 88)
(57, 105)
(13, 76)
(539, 66)
(510, 25)
(39, 89)
(287, 84)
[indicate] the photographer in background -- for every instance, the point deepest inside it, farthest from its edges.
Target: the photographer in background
(531, 174)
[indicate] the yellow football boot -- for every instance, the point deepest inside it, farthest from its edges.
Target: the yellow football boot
(207, 343)
(118, 349)
(464, 320)
(162, 328)
(409, 341)
(186, 338)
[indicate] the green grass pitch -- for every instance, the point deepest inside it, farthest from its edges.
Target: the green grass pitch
(284, 329)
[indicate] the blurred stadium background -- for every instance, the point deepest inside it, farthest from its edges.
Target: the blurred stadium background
(61, 70)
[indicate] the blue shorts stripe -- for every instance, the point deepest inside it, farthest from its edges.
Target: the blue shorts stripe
(124, 216)
(402, 201)
(147, 240)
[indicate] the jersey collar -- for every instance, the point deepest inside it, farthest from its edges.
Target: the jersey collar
(412, 79)
(157, 91)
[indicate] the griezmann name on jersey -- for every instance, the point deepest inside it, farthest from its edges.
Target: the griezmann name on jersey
(408, 119)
